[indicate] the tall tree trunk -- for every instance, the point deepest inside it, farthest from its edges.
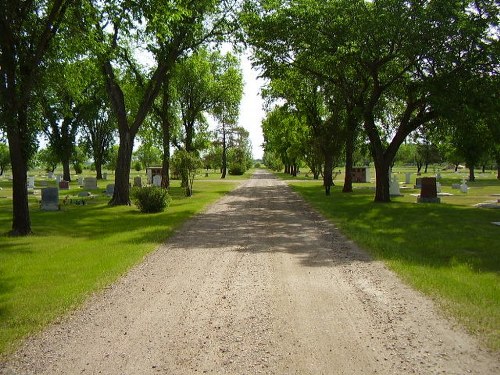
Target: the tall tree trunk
(327, 173)
(165, 166)
(21, 222)
(382, 166)
(121, 195)
(472, 176)
(66, 169)
(98, 168)
(349, 151)
(224, 153)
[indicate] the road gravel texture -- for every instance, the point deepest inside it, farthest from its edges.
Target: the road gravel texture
(259, 283)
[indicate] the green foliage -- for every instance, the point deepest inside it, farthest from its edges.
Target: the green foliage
(151, 199)
(137, 166)
(4, 158)
(240, 160)
(185, 164)
(47, 159)
(148, 155)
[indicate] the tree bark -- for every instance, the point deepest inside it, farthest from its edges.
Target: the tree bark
(472, 176)
(21, 222)
(327, 173)
(66, 169)
(121, 195)
(224, 153)
(349, 151)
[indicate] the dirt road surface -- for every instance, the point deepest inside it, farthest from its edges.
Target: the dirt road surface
(258, 284)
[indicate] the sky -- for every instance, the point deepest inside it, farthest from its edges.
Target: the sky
(251, 111)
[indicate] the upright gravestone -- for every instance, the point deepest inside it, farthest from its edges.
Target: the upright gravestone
(58, 179)
(31, 182)
(63, 185)
(418, 183)
(408, 178)
(50, 199)
(80, 180)
(428, 192)
(104, 176)
(156, 180)
(463, 187)
(90, 183)
(110, 189)
(137, 182)
(50, 175)
(394, 186)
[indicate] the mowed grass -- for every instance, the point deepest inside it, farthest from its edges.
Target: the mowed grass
(77, 251)
(449, 251)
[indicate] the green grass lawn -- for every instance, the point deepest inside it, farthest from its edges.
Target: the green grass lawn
(78, 250)
(449, 251)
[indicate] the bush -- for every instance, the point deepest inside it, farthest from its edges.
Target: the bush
(150, 199)
(137, 166)
(236, 170)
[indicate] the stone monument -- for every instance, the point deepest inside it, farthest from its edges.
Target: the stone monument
(428, 192)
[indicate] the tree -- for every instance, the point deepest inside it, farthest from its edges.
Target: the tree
(394, 76)
(186, 164)
(228, 92)
(169, 30)
(148, 155)
(47, 158)
(27, 32)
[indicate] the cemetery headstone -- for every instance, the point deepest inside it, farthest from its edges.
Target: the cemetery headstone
(408, 178)
(110, 189)
(438, 187)
(63, 185)
(137, 182)
(104, 176)
(156, 180)
(90, 183)
(50, 199)
(80, 180)
(418, 183)
(31, 182)
(394, 186)
(463, 187)
(428, 192)
(58, 179)
(50, 175)
(455, 186)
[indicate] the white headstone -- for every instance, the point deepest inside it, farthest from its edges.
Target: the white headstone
(31, 182)
(156, 180)
(438, 187)
(408, 178)
(50, 175)
(394, 186)
(464, 187)
(58, 179)
(104, 176)
(80, 180)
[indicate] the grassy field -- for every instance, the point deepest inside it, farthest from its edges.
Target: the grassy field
(449, 251)
(80, 249)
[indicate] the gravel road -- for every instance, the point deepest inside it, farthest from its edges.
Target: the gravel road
(258, 284)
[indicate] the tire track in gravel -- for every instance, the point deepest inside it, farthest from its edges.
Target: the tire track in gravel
(258, 284)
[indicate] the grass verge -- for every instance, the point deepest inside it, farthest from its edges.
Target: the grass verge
(77, 251)
(449, 251)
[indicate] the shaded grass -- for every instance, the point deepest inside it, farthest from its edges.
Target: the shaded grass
(77, 251)
(449, 251)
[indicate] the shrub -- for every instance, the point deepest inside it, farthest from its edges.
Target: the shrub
(137, 166)
(150, 199)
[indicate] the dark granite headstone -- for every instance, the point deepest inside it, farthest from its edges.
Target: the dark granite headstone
(50, 199)
(64, 185)
(428, 192)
